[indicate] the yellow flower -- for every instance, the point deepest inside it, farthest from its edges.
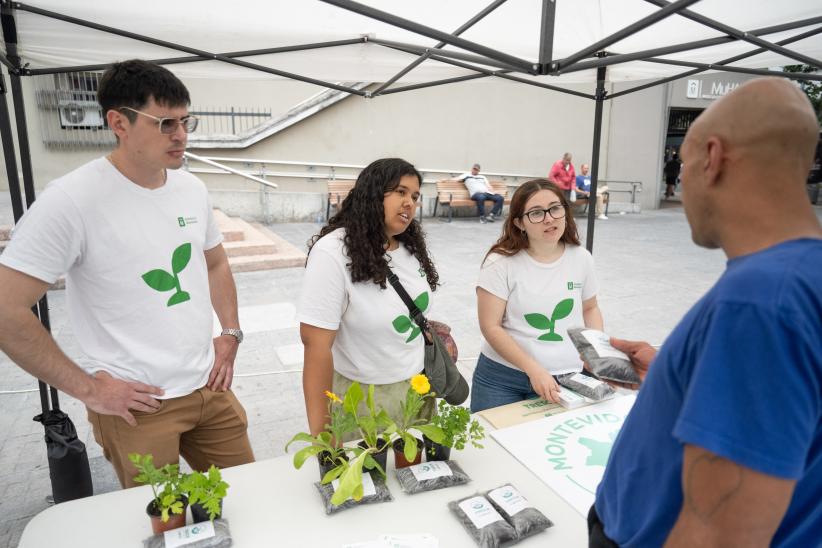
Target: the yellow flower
(420, 384)
(332, 396)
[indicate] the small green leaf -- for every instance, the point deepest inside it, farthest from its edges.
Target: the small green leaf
(422, 301)
(538, 321)
(562, 309)
(414, 334)
(179, 297)
(550, 337)
(180, 258)
(353, 397)
(434, 433)
(401, 324)
(409, 447)
(303, 454)
(159, 280)
(332, 474)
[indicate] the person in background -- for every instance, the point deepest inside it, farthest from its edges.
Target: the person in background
(671, 170)
(563, 175)
(723, 446)
(480, 190)
(535, 282)
(584, 190)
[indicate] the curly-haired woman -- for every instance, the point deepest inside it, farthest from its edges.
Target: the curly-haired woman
(354, 326)
(535, 282)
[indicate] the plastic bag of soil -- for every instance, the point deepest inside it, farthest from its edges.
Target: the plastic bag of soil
(221, 538)
(430, 476)
(516, 510)
(374, 490)
(586, 386)
(485, 525)
(606, 361)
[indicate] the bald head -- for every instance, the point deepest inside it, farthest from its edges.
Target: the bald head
(768, 121)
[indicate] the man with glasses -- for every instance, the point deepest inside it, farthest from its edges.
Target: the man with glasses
(480, 190)
(144, 266)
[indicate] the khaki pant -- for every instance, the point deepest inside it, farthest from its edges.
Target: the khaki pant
(204, 427)
(386, 396)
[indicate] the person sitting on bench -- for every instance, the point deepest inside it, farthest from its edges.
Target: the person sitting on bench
(480, 190)
(584, 191)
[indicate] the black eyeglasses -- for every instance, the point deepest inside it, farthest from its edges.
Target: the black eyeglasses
(169, 125)
(538, 215)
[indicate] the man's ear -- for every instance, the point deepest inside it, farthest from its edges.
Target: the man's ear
(118, 122)
(713, 165)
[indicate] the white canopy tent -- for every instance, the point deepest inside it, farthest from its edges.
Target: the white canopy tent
(402, 45)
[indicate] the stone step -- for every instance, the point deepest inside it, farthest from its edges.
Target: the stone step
(231, 230)
(286, 256)
(5, 233)
(253, 242)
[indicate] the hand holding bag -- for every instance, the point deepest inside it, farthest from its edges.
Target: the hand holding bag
(445, 379)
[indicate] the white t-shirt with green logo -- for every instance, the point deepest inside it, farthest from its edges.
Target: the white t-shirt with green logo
(542, 302)
(136, 279)
(376, 341)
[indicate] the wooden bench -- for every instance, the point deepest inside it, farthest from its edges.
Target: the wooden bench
(453, 194)
(582, 202)
(337, 192)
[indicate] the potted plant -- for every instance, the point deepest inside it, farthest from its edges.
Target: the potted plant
(458, 428)
(375, 428)
(326, 445)
(407, 448)
(167, 508)
(205, 493)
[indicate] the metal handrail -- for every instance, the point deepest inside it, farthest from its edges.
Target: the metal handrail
(229, 169)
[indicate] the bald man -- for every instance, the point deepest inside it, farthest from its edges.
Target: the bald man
(723, 446)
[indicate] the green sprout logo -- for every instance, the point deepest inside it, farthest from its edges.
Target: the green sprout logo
(403, 323)
(160, 280)
(541, 322)
(598, 450)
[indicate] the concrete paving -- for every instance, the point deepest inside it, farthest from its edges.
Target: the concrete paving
(649, 270)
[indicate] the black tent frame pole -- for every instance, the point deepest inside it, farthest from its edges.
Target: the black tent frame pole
(8, 153)
(741, 70)
(667, 11)
(600, 99)
(422, 50)
(546, 36)
(798, 37)
(185, 49)
(522, 65)
(417, 62)
(615, 59)
(755, 40)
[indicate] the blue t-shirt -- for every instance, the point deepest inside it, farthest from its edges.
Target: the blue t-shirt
(740, 376)
(584, 182)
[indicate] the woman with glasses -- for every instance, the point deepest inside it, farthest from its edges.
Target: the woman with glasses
(353, 324)
(536, 281)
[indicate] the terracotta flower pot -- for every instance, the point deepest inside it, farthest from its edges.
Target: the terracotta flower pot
(399, 456)
(158, 526)
(382, 456)
(436, 451)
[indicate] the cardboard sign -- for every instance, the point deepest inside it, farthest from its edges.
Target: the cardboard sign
(569, 451)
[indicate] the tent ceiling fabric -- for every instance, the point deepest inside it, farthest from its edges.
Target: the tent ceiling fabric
(512, 28)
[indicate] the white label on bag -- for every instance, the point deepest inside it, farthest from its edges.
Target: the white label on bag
(480, 511)
(430, 470)
(509, 499)
(602, 344)
(188, 534)
(368, 487)
(590, 382)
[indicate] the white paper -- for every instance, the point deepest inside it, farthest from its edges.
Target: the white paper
(480, 511)
(368, 487)
(602, 344)
(430, 470)
(570, 399)
(590, 382)
(569, 451)
(398, 541)
(188, 534)
(509, 499)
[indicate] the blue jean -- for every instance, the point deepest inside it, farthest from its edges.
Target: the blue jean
(480, 198)
(495, 384)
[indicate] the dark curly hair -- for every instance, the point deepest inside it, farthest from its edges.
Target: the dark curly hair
(513, 239)
(363, 218)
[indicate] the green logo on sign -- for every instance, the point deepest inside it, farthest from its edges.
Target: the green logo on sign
(182, 222)
(541, 322)
(160, 280)
(403, 323)
(570, 286)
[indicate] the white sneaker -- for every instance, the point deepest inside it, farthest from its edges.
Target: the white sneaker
(482, 220)
(603, 217)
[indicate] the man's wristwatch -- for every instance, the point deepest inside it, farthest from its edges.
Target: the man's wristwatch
(236, 333)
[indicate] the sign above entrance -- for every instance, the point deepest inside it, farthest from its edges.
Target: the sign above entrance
(718, 89)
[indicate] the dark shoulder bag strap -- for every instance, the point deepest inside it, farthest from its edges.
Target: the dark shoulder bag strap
(413, 310)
